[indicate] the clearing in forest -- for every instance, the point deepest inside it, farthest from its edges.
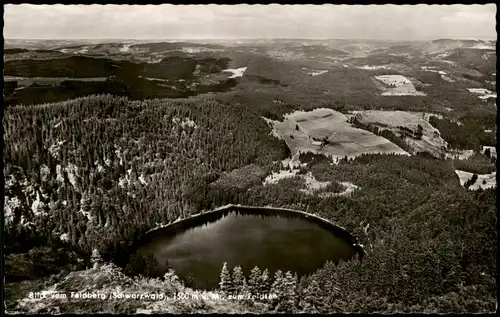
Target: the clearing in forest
(397, 85)
(482, 93)
(327, 132)
(312, 185)
(407, 124)
(238, 72)
(492, 149)
(314, 72)
(483, 181)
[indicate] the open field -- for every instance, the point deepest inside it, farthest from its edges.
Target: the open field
(493, 150)
(484, 181)
(238, 72)
(311, 184)
(483, 93)
(406, 123)
(397, 85)
(314, 72)
(306, 131)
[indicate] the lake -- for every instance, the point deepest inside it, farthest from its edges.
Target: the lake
(197, 247)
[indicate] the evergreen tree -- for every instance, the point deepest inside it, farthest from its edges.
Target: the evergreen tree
(277, 288)
(96, 259)
(254, 280)
(226, 283)
(288, 295)
(311, 300)
(264, 286)
(238, 279)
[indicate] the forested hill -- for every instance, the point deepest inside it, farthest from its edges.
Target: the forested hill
(97, 172)
(92, 166)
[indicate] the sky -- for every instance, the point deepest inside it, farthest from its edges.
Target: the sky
(397, 22)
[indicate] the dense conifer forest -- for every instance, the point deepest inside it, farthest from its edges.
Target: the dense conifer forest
(96, 173)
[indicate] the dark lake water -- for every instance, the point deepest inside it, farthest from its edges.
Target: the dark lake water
(249, 238)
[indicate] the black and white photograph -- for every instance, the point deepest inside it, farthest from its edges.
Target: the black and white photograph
(249, 159)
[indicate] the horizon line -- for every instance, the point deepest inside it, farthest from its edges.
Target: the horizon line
(254, 39)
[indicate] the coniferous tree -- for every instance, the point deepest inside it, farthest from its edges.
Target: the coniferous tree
(288, 294)
(226, 282)
(96, 259)
(277, 289)
(264, 283)
(311, 300)
(238, 279)
(254, 280)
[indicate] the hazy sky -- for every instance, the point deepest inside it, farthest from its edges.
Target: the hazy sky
(166, 21)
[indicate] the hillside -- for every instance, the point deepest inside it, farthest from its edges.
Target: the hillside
(98, 172)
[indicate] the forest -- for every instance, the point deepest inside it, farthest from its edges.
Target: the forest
(174, 77)
(95, 173)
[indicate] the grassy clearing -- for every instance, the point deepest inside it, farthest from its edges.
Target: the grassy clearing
(397, 85)
(310, 185)
(325, 131)
(238, 72)
(482, 93)
(483, 181)
(406, 124)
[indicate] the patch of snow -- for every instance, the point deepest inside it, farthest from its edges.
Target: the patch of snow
(44, 172)
(314, 72)
(276, 177)
(448, 62)
(186, 122)
(144, 311)
(83, 50)
(447, 79)
(84, 201)
(312, 184)
(100, 168)
(10, 181)
(458, 154)
(285, 162)
(367, 67)
(490, 179)
(59, 174)
(118, 154)
(483, 93)
(365, 228)
(483, 47)
(431, 69)
(125, 48)
(64, 237)
(238, 72)
(10, 205)
(37, 205)
(493, 150)
(142, 179)
(54, 151)
(72, 170)
(107, 162)
(397, 80)
(122, 182)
